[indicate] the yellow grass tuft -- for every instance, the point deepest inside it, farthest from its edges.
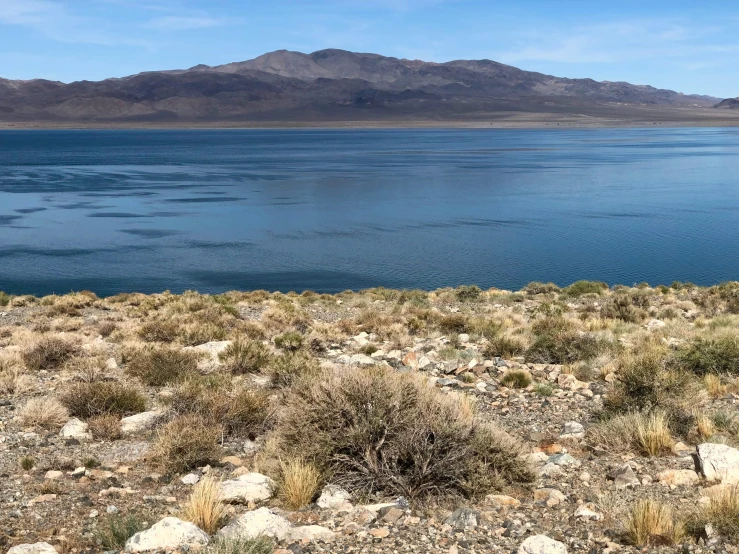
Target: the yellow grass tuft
(205, 507)
(299, 482)
(652, 523)
(653, 434)
(45, 412)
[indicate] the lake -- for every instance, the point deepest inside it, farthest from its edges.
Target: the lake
(329, 210)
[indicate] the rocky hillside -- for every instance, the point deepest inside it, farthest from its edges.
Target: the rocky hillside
(729, 104)
(328, 84)
(462, 421)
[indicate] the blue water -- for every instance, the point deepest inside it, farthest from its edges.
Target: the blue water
(114, 211)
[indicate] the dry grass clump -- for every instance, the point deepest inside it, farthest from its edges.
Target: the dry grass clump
(245, 357)
(158, 367)
(159, 331)
(45, 412)
(286, 369)
(536, 287)
(200, 333)
(704, 425)
(298, 484)
(504, 346)
(622, 306)
(105, 427)
(516, 379)
(648, 433)
(205, 507)
(291, 341)
(722, 513)
(98, 398)
(259, 545)
(49, 353)
(558, 341)
(13, 379)
(651, 523)
(714, 385)
(377, 431)
(186, 442)
(653, 434)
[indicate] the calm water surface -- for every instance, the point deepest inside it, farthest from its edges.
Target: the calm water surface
(115, 211)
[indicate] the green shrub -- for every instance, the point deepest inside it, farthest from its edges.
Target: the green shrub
(558, 342)
(113, 532)
(291, 341)
(710, 356)
(504, 347)
(49, 353)
(259, 545)
(4, 298)
(540, 288)
(245, 357)
(376, 431)
(159, 331)
(544, 389)
(622, 307)
(286, 369)
(468, 293)
(516, 379)
(580, 288)
(158, 367)
(97, 398)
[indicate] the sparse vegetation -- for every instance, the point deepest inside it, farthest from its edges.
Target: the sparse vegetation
(516, 378)
(205, 507)
(49, 353)
(100, 398)
(245, 357)
(186, 442)
(259, 545)
(158, 367)
(113, 532)
(652, 523)
(299, 482)
(45, 412)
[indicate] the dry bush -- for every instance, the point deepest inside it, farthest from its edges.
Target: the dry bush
(714, 386)
(159, 331)
(186, 442)
(653, 434)
(205, 507)
(378, 431)
(87, 400)
(651, 523)
(106, 328)
(516, 378)
(13, 379)
(579, 288)
(286, 369)
(45, 412)
(298, 484)
(201, 333)
(158, 367)
(704, 425)
(622, 307)
(504, 346)
(721, 512)
(245, 357)
(105, 427)
(259, 545)
(285, 315)
(648, 433)
(454, 323)
(49, 353)
(290, 341)
(559, 342)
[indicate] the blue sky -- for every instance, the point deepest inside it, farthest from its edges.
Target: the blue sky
(684, 45)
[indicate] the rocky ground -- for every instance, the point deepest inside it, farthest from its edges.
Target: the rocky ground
(545, 365)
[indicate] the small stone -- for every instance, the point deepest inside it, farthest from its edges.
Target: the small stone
(623, 476)
(112, 510)
(53, 475)
(252, 487)
(572, 430)
(587, 512)
(541, 544)
(550, 497)
(190, 479)
(463, 518)
(678, 477)
(258, 522)
(310, 533)
(333, 497)
(75, 429)
(380, 532)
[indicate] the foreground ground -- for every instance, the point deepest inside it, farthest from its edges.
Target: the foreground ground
(350, 422)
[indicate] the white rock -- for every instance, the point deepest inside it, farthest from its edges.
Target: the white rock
(572, 430)
(362, 360)
(252, 487)
(464, 337)
(587, 512)
(653, 324)
(53, 475)
(140, 422)
(333, 497)
(541, 544)
(111, 364)
(259, 522)
(169, 534)
(718, 462)
(75, 429)
(211, 353)
(311, 533)
(190, 479)
(37, 548)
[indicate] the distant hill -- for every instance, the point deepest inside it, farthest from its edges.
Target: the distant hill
(729, 104)
(328, 85)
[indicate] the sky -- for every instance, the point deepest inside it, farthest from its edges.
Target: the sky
(685, 45)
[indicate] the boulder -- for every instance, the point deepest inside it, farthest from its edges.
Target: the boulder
(140, 422)
(623, 476)
(550, 497)
(333, 497)
(37, 548)
(572, 430)
(717, 462)
(587, 512)
(310, 533)
(258, 522)
(541, 544)
(678, 477)
(75, 429)
(252, 487)
(168, 535)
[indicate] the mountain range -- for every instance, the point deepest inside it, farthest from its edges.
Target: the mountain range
(329, 85)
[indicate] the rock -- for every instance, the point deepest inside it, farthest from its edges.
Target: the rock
(587, 512)
(463, 518)
(541, 544)
(140, 422)
(54, 475)
(678, 477)
(311, 533)
(75, 429)
(190, 479)
(563, 460)
(333, 497)
(258, 522)
(391, 515)
(380, 532)
(169, 534)
(623, 476)
(570, 382)
(572, 430)
(411, 360)
(37, 548)
(717, 462)
(252, 487)
(464, 337)
(550, 497)
(498, 500)
(210, 351)
(361, 360)
(653, 324)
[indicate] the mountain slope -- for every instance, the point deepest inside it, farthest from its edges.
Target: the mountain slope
(325, 85)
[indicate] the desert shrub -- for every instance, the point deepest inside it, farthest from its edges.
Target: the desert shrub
(651, 523)
(205, 507)
(516, 378)
(454, 323)
(290, 341)
(720, 512)
(115, 529)
(580, 288)
(298, 483)
(186, 442)
(105, 427)
(504, 346)
(245, 357)
(544, 389)
(540, 288)
(247, 413)
(98, 398)
(4, 298)
(645, 432)
(710, 356)
(259, 545)
(158, 367)
(200, 333)
(287, 368)
(161, 330)
(468, 293)
(26, 463)
(107, 328)
(378, 431)
(558, 342)
(622, 307)
(45, 412)
(49, 353)
(653, 434)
